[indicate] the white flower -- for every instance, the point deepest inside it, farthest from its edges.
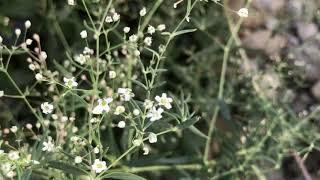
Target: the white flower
(70, 82)
(1, 93)
(133, 38)
(1, 39)
(126, 29)
(14, 129)
(243, 12)
(109, 19)
(29, 126)
(121, 124)
(116, 17)
(13, 155)
(143, 12)
(39, 77)
(99, 166)
(152, 138)
(103, 106)
(94, 120)
(29, 42)
(151, 29)
(125, 94)
(136, 112)
(11, 174)
(6, 167)
(161, 27)
(48, 146)
(136, 53)
(88, 51)
(145, 150)
(46, 108)
(137, 142)
(148, 41)
(148, 104)
(155, 114)
(112, 74)
(83, 34)
(119, 110)
(96, 150)
(27, 24)
(78, 159)
(81, 59)
(164, 101)
(17, 32)
(71, 2)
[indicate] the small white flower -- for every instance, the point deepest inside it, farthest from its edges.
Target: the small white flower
(48, 146)
(81, 59)
(146, 150)
(47, 108)
(243, 12)
(14, 129)
(39, 77)
(161, 27)
(1, 39)
(137, 142)
(13, 155)
(29, 42)
(6, 167)
(116, 17)
(103, 106)
(126, 29)
(155, 114)
(83, 34)
(99, 166)
(148, 41)
(108, 19)
(78, 159)
(112, 74)
(164, 100)
(136, 112)
(133, 38)
(70, 82)
(71, 2)
(136, 53)
(148, 104)
(125, 94)
(29, 126)
(152, 138)
(11, 174)
(43, 55)
(151, 29)
(17, 32)
(119, 110)
(27, 24)
(143, 12)
(94, 120)
(88, 51)
(96, 150)
(121, 124)
(1, 93)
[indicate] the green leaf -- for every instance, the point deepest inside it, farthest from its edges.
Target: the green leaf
(67, 168)
(183, 32)
(188, 123)
(123, 176)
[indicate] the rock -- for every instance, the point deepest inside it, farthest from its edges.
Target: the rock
(316, 90)
(257, 40)
(271, 6)
(275, 45)
(306, 30)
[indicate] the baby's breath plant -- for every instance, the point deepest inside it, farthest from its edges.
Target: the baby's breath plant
(106, 86)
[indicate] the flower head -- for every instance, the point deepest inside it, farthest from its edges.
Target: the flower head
(103, 106)
(47, 108)
(243, 12)
(143, 12)
(152, 138)
(164, 100)
(48, 146)
(125, 94)
(83, 34)
(70, 82)
(13, 155)
(119, 110)
(78, 159)
(155, 114)
(99, 166)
